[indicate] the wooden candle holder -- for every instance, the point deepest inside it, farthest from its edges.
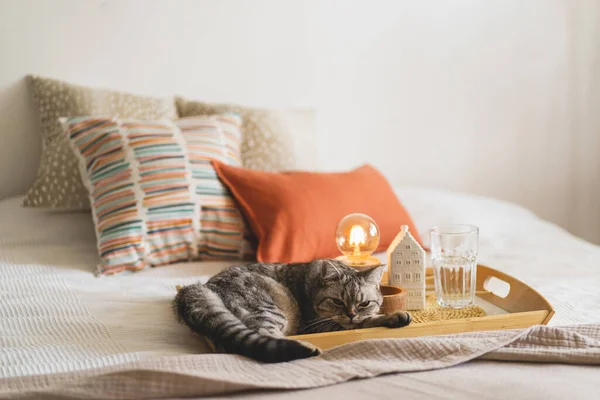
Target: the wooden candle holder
(394, 299)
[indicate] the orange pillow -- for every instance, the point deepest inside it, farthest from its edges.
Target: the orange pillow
(294, 214)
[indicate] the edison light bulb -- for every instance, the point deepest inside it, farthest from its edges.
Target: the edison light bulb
(357, 237)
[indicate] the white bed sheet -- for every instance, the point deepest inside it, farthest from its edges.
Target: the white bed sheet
(56, 316)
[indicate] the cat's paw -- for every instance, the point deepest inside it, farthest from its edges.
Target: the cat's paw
(397, 319)
(295, 350)
(289, 350)
(311, 350)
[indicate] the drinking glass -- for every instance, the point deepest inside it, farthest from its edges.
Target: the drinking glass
(454, 257)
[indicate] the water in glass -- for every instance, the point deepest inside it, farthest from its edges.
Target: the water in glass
(455, 280)
(454, 257)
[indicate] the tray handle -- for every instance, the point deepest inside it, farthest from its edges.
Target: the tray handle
(520, 297)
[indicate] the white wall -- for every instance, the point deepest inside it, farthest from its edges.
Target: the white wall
(499, 98)
(496, 97)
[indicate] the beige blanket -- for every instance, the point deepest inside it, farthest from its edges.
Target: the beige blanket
(212, 374)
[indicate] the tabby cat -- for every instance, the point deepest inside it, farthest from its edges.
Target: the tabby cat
(249, 309)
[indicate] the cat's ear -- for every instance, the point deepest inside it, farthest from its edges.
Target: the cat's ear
(329, 270)
(374, 275)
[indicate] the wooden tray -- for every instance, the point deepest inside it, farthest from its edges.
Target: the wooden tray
(520, 307)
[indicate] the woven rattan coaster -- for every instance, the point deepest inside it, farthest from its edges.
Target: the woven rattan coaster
(433, 312)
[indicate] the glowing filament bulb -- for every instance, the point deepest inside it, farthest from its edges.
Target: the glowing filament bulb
(357, 238)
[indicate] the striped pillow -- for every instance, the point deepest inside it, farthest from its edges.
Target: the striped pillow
(155, 196)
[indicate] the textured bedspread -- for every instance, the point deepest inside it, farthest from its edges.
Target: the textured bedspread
(56, 317)
(217, 374)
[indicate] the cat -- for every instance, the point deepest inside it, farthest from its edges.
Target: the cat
(248, 310)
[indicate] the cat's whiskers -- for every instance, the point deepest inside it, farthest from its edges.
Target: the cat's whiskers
(317, 321)
(327, 327)
(315, 325)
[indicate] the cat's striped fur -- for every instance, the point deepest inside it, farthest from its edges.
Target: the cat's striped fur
(249, 309)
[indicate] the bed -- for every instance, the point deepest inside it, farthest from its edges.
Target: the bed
(56, 316)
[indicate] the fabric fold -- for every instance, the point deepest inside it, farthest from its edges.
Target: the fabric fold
(218, 374)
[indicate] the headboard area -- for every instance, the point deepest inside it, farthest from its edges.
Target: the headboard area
(211, 51)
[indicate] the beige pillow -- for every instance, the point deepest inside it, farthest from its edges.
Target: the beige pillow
(59, 184)
(267, 141)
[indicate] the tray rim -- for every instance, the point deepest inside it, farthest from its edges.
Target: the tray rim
(454, 326)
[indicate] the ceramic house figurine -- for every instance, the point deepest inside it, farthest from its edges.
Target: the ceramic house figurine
(406, 261)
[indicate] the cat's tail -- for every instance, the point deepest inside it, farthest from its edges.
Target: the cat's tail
(205, 314)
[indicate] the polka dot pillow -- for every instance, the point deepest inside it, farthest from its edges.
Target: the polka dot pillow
(156, 198)
(59, 184)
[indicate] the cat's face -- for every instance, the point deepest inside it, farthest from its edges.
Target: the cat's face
(346, 296)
